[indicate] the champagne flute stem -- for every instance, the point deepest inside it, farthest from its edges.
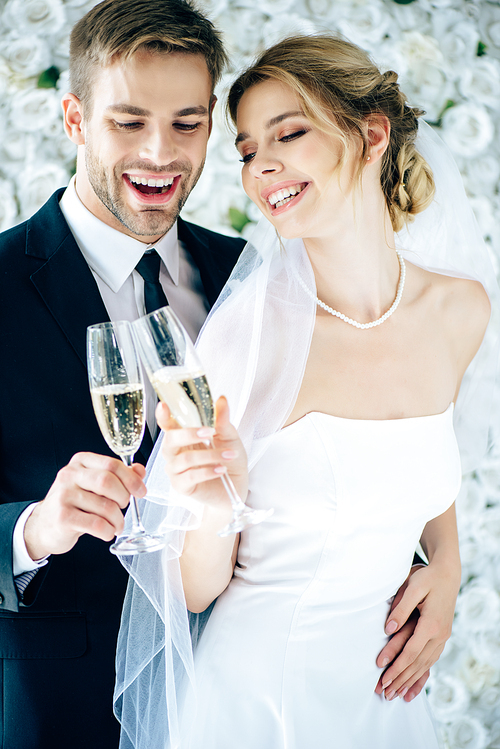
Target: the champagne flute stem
(236, 502)
(137, 526)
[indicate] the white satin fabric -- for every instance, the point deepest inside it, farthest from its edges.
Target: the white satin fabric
(287, 660)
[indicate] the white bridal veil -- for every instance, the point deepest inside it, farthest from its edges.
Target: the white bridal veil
(254, 346)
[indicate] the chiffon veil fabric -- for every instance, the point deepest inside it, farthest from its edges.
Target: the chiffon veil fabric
(254, 347)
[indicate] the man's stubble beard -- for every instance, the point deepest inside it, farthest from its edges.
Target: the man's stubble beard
(148, 222)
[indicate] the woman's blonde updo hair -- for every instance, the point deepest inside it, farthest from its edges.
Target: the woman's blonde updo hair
(339, 87)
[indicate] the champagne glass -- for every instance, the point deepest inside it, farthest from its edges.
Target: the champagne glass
(117, 392)
(177, 375)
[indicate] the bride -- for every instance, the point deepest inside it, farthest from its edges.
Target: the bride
(341, 342)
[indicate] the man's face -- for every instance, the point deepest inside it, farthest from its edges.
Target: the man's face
(144, 141)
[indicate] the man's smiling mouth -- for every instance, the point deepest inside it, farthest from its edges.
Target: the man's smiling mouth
(150, 185)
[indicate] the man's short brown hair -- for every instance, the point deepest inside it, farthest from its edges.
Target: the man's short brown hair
(117, 29)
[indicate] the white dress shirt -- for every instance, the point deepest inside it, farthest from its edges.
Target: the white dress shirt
(112, 257)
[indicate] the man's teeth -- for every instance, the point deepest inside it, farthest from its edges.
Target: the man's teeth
(280, 197)
(151, 182)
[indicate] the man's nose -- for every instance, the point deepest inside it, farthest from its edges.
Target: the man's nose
(159, 146)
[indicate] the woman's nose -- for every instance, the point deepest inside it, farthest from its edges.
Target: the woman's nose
(262, 165)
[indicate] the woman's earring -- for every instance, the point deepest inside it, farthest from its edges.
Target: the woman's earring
(368, 158)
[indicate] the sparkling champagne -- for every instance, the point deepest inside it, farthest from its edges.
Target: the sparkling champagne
(187, 395)
(119, 410)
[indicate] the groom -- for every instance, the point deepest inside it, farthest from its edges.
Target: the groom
(140, 111)
(142, 80)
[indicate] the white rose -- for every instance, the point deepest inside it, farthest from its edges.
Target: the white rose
(419, 48)
(36, 183)
(365, 24)
(34, 16)
(273, 7)
(35, 110)
(242, 29)
(286, 24)
(448, 697)
(26, 55)
(487, 704)
(468, 129)
(489, 26)
(477, 675)
(480, 81)
(477, 607)
(8, 206)
(62, 84)
(410, 17)
(485, 648)
(470, 502)
(426, 85)
(485, 214)
(320, 8)
(480, 174)
(458, 42)
(467, 733)
(19, 146)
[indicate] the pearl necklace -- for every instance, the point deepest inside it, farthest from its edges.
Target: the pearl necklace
(363, 325)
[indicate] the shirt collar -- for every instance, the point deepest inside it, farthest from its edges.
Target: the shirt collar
(110, 253)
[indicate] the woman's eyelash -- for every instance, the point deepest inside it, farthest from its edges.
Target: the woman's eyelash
(296, 134)
(284, 139)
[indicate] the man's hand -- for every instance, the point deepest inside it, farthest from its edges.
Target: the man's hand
(420, 621)
(87, 496)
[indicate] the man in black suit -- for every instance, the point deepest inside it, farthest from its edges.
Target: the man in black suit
(142, 79)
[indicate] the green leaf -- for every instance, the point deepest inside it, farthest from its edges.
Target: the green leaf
(238, 219)
(49, 77)
(481, 49)
(439, 122)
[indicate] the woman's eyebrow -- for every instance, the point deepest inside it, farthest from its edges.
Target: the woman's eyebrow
(273, 121)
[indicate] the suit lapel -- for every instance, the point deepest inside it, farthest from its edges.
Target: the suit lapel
(66, 284)
(214, 266)
(64, 281)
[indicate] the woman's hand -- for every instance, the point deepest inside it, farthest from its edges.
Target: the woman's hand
(196, 457)
(429, 594)
(207, 561)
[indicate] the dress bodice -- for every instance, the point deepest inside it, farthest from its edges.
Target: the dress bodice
(349, 494)
(288, 657)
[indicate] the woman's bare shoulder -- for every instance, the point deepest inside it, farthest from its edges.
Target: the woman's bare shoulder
(462, 304)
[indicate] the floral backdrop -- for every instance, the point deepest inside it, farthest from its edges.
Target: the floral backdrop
(448, 55)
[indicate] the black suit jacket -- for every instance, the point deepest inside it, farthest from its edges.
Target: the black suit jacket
(58, 645)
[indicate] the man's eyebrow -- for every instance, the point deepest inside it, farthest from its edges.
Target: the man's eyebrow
(139, 112)
(128, 109)
(200, 110)
(273, 121)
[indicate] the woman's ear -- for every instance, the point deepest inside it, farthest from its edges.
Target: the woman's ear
(73, 119)
(377, 134)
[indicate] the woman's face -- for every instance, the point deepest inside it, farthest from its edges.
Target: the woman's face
(289, 165)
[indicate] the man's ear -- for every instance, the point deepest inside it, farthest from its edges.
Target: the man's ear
(377, 132)
(73, 119)
(213, 102)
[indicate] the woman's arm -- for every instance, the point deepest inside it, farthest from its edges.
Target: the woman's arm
(207, 561)
(432, 590)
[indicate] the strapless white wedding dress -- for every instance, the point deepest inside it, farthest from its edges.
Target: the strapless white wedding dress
(287, 660)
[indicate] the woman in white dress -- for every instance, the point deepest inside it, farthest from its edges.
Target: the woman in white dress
(348, 424)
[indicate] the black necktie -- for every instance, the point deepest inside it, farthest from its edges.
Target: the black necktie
(149, 268)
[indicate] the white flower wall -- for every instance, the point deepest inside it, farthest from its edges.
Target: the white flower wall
(447, 53)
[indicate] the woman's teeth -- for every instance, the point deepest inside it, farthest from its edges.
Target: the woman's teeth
(283, 196)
